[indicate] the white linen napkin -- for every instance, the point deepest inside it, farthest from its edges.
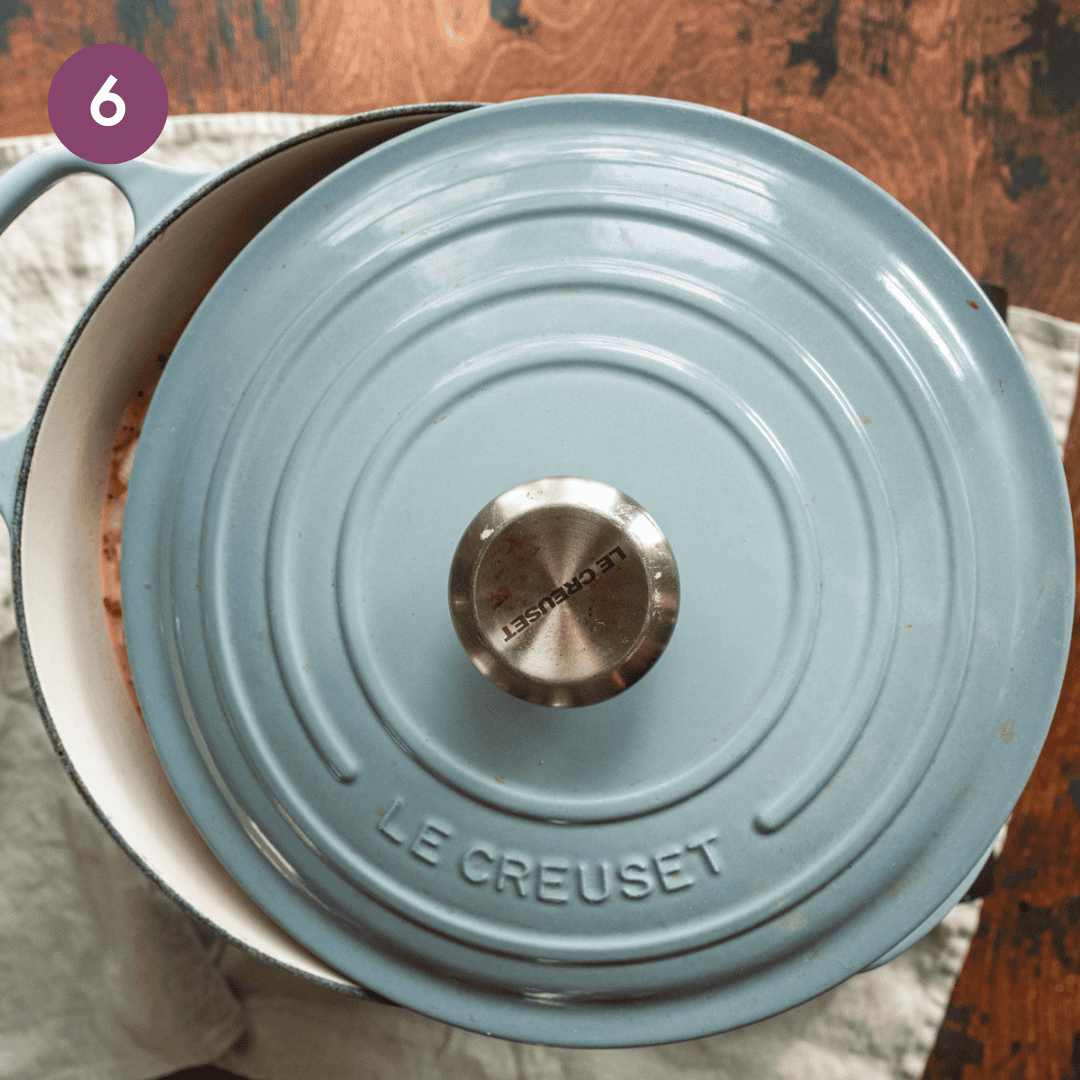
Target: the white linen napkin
(102, 977)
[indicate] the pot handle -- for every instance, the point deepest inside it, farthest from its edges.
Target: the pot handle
(152, 191)
(12, 451)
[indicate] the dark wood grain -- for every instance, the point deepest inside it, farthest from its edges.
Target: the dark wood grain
(968, 113)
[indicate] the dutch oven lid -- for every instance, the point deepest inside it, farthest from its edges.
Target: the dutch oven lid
(690, 339)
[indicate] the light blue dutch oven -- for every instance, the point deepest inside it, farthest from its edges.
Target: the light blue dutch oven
(376, 330)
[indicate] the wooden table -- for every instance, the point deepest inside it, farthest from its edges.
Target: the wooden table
(969, 114)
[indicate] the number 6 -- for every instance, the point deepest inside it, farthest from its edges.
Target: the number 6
(103, 95)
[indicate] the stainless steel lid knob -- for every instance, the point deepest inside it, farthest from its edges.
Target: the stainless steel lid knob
(564, 591)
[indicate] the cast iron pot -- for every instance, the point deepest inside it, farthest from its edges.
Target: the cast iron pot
(188, 228)
(639, 378)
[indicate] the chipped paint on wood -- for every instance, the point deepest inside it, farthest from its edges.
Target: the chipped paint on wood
(133, 18)
(1054, 48)
(955, 1048)
(507, 15)
(225, 28)
(9, 11)
(819, 46)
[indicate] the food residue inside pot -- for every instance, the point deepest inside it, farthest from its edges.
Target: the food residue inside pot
(112, 516)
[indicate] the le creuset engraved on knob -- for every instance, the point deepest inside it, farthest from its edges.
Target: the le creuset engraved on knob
(563, 591)
(828, 427)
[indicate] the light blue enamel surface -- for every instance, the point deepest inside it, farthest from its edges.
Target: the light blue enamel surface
(849, 460)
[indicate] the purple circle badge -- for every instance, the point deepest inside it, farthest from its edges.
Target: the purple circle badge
(108, 103)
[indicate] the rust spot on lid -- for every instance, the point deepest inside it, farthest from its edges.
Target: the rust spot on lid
(972, 304)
